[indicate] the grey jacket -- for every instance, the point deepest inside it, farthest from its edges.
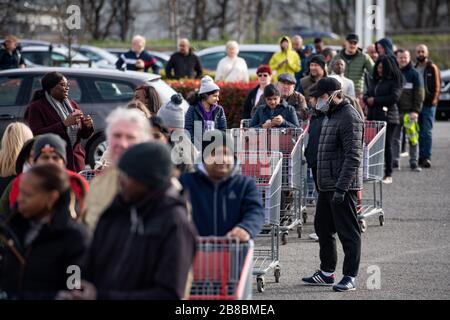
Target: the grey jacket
(341, 150)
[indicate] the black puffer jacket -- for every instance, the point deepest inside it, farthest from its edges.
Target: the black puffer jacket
(146, 256)
(339, 163)
(386, 94)
(39, 270)
(315, 126)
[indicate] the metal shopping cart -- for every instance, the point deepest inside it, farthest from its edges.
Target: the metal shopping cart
(88, 174)
(222, 269)
(265, 169)
(371, 203)
(290, 142)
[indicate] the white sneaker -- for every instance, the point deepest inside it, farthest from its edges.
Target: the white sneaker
(313, 236)
(387, 180)
(404, 154)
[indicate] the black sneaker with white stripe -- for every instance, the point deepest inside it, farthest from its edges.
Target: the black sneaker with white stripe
(346, 284)
(319, 279)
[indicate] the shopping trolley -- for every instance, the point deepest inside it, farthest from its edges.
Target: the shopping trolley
(290, 142)
(371, 203)
(88, 174)
(222, 269)
(265, 169)
(310, 193)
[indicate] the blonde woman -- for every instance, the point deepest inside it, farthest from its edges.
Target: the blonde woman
(232, 68)
(15, 136)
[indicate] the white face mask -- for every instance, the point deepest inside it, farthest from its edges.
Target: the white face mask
(323, 105)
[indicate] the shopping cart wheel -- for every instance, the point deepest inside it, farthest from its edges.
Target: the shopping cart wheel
(299, 231)
(305, 217)
(363, 225)
(260, 283)
(381, 218)
(284, 238)
(277, 274)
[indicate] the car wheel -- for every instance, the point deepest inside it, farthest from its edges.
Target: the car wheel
(96, 150)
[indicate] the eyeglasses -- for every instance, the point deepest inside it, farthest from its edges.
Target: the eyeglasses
(65, 86)
(265, 75)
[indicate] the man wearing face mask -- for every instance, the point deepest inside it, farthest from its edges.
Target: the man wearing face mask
(339, 178)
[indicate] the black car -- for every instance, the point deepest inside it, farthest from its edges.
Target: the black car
(443, 107)
(97, 91)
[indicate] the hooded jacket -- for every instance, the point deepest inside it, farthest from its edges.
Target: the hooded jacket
(339, 158)
(264, 113)
(386, 43)
(39, 270)
(291, 55)
(142, 251)
(219, 207)
(386, 94)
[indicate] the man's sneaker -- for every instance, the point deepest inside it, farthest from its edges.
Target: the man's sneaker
(346, 284)
(416, 169)
(426, 163)
(404, 154)
(387, 180)
(313, 236)
(319, 279)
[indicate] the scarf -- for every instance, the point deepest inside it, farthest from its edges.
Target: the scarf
(64, 109)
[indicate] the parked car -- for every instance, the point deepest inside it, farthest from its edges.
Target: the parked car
(253, 54)
(306, 32)
(97, 93)
(101, 57)
(22, 43)
(161, 57)
(443, 107)
(54, 56)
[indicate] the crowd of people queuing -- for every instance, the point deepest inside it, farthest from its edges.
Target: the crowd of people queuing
(132, 229)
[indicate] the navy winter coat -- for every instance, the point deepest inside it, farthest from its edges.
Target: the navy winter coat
(219, 207)
(263, 113)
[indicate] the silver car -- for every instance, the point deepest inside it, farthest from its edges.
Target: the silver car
(97, 91)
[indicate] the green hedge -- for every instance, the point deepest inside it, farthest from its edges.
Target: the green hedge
(232, 96)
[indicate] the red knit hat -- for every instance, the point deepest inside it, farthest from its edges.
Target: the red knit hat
(264, 68)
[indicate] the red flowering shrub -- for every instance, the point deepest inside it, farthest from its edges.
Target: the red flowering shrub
(232, 96)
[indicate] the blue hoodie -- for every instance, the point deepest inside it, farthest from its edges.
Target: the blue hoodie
(386, 43)
(219, 207)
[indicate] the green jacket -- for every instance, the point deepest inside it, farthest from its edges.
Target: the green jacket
(356, 67)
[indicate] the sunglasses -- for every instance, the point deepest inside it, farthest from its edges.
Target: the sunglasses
(265, 75)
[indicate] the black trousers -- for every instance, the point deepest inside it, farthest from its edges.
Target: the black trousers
(341, 219)
(388, 154)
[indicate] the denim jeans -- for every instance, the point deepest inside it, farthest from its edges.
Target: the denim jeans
(426, 120)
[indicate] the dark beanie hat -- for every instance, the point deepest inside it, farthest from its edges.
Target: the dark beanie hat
(49, 142)
(149, 163)
(51, 80)
(318, 59)
(271, 91)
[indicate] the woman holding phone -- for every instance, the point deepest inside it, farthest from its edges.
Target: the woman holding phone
(51, 111)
